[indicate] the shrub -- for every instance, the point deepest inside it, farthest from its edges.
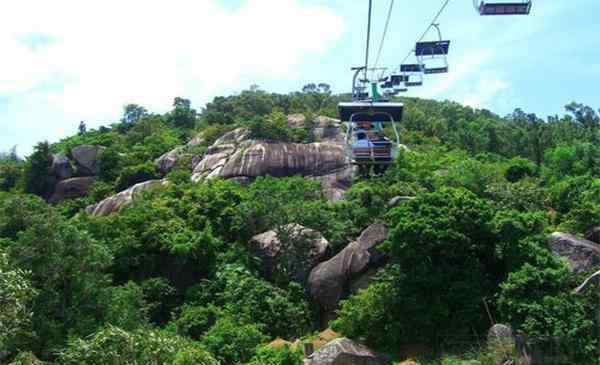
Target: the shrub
(113, 345)
(194, 356)
(126, 307)
(519, 168)
(273, 127)
(232, 342)
(537, 301)
(132, 175)
(266, 355)
(194, 321)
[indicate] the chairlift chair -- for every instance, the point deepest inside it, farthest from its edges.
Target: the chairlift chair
(433, 50)
(371, 152)
(503, 7)
(398, 82)
(414, 73)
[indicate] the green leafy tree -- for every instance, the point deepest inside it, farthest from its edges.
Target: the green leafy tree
(37, 171)
(68, 269)
(182, 116)
(16, 294)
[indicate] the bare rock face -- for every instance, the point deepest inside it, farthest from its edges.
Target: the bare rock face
(500, 333)
(330, 280)
(234, 156)
(71, 188)
(343, 351)
(285, 159)
(166, 162)
(593, 234)
(61, 166)
(88, 158)
(303, 246)
(117, 202)
(582, 255)
(328, 130)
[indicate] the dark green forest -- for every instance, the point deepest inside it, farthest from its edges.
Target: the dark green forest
(170, 279)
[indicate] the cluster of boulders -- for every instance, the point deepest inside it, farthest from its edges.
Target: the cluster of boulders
(328, 280)
(85, 165)
(238, 157)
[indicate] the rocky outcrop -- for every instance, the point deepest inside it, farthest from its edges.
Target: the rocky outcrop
(88, 158)
(581, 255)
(71, 188)
(343, 351)
(329, 281)
(61, 166)
(303, 247)
(165, 163)
(234, 156)
(593, 234)
(119, 201)
(328, 130)
(285, 159)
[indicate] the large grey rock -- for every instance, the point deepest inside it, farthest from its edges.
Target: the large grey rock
(330, 280)
(286, 159)
(88, 158)
(71, 188)
(328, 130)
(235, 156)
(343, 351)
(581, 255)
(500, 333)
(302, 247)
(593, 234)
(167, 162)
(61, 166)
(118, 201)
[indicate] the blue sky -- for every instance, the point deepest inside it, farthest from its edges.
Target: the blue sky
(71, 61)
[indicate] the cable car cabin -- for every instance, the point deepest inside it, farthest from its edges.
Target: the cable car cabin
(504, 8)
(365, 141)
(434, 50)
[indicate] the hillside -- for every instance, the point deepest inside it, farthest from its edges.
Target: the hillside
(240, 234)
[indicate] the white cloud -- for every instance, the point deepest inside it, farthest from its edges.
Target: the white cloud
(113, 52)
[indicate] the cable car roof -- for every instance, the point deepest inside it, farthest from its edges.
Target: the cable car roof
(367, 111)
(411, 68)
(505, 8)
(434, 48)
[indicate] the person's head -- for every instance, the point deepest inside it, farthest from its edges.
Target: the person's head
(361, 136)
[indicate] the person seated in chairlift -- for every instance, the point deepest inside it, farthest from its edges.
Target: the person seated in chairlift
(362, 141)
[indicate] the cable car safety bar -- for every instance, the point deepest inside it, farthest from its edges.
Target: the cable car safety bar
(433, 50)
